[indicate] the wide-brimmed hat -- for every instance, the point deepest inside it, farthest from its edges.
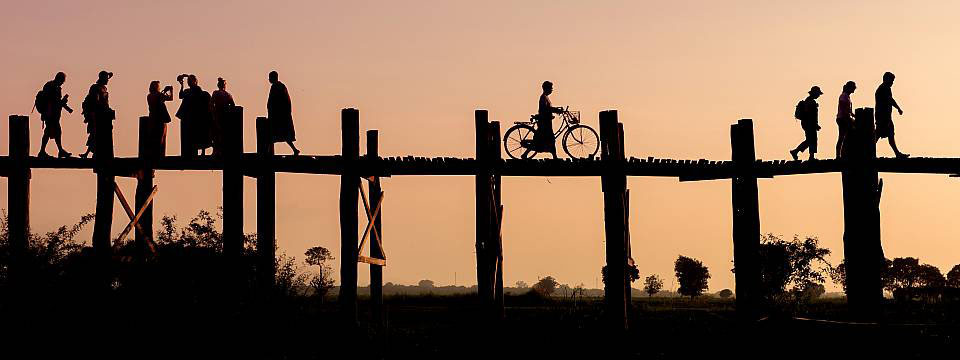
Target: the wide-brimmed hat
(815, 90)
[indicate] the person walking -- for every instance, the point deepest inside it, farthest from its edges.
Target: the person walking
(807, 112)
(884, 113)
(545, 110)
(159, 117)
(280, 113)
(51, 104)
(844, 115)
(97, 113)
(220, 101)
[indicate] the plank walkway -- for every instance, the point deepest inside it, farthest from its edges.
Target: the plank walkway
(684, 170)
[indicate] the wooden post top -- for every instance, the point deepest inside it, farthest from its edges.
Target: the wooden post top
(19, 136)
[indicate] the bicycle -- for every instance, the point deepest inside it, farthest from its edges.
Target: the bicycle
(579, 141)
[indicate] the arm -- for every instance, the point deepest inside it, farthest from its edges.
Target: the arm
(895, 105)
(179, 94)
(63, 103)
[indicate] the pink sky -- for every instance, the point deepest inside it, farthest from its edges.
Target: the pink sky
(679, 73)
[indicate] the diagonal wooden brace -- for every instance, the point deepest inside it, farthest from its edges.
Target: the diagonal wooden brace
(134, 218)
(371, 216)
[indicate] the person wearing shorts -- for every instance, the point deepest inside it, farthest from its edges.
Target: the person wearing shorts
(884, 113)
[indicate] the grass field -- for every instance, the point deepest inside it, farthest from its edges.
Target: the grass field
(422, 327)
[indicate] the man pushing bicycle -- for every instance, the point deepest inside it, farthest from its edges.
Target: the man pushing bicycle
(544, 137)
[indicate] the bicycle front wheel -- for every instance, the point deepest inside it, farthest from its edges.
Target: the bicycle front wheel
(518, 142)
(581, 142)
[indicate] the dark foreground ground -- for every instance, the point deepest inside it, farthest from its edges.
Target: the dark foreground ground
(447, 327)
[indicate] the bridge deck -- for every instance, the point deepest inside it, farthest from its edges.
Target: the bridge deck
(685, 170)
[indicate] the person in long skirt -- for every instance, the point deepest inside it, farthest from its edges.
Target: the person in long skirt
(220, 101)
(279, 113)
(96, 110)
(194, 114)
(159, 117)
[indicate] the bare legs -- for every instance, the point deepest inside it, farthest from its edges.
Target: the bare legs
(294, 148)
(893, 145)
(60, 151)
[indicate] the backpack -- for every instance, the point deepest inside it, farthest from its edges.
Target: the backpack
(801, 111)
(40, 102)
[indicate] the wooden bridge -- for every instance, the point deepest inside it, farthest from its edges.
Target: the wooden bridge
(859, 166)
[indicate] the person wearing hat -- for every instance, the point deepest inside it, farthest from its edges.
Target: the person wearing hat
(96, 111)
(807, 114)
(884, 113)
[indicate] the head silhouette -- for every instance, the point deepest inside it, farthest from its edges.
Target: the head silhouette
(815, 92)
(547, 87)
(192, 80)
(154, 87)
(60, 78)
(849, 87)
(888, 78)
(104, 77)
(274, 77)
(221, 83)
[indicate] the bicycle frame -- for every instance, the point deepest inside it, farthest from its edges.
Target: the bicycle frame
(565, 124)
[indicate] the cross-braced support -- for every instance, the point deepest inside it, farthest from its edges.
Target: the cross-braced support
(371, 230)
(134, 219)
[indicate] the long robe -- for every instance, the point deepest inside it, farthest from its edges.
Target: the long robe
(194, 114)
(279, 113)
(220, 101)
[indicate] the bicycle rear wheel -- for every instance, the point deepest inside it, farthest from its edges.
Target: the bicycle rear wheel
(518, 142)
(581, 142)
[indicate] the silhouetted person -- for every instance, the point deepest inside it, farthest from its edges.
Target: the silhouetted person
(807, 112)
(159, 117)
(280, 113)
(845, 115)
(220, 101)
(96, 110)
(194, 113)
(884, 113)
(50, 103)
(545, 110)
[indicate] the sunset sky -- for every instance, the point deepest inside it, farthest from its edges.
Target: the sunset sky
(679, 72)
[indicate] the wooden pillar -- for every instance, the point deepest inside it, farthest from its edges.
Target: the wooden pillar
(349, 192)
(627, 289)
(484, 243)
(233, 183)
(148, 153)
(614, 188)
(266, 208)
(18, 197)
(746, 221)
(376, 251)
(862, 249)
(496, 224)
(103, 222)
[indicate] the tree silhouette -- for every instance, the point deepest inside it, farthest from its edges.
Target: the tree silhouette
(652, 285)
(426, 284)
(321, 283)
(546, 286)
(725, 293)
(953, 277)
(795, 266)
(692, 276)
